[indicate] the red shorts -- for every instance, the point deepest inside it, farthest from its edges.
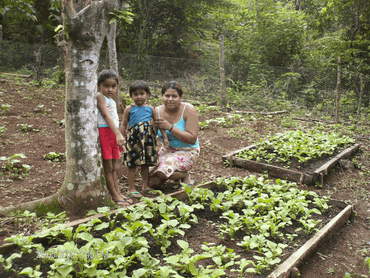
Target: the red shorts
(108, 143)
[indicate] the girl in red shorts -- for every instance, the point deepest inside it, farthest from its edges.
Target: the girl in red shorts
(110, 136)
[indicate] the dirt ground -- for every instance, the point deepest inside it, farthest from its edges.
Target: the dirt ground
(33, 124)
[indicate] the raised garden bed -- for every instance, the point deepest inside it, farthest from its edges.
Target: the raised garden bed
(196, 256)
(301, 169)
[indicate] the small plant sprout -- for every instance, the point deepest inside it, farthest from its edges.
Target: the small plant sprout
(185, 262)
(367, 263)
(26, 128)
(4, 108)
(33, 273)
(56, 157)
(2, 129)
(13, 163)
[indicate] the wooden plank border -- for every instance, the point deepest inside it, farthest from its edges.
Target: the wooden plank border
(284, 173)
(302, 254)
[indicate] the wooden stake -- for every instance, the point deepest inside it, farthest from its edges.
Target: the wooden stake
(338, 91)
(360, 97)
(222, 75)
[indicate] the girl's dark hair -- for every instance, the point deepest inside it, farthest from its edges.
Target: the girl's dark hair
(172, 85)
(106, 74)
(139, 85)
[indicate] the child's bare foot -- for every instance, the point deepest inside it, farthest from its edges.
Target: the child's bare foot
(126, 198)
(187, 179)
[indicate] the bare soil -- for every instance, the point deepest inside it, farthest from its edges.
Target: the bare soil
(43, 110)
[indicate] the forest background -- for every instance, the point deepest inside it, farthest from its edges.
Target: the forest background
(282, 50)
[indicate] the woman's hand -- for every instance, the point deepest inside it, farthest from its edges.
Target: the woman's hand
(162, 124)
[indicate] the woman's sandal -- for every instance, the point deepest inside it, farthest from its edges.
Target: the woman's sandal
(150, 191)
(135, 194)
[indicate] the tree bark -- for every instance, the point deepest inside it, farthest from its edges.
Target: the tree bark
(84, 184)
(113, 63)
(337, 97)
(222, 75)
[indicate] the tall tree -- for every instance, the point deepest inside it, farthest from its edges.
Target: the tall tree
(85, 28)
(166, 28)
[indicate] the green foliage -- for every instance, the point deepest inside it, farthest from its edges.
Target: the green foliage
(367, 263)
(264, 210)
(4, 108)
(2, 130)
(56, 157)
(13, 164)
(26, 128)
(125, 15)
(29, 21)
(303, 146)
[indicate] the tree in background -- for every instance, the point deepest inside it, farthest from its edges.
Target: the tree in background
(166, 28)
(29, 21)
(339, 28)
(265, 33)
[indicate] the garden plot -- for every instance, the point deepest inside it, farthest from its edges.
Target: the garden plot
(229, 228)
(303, 157)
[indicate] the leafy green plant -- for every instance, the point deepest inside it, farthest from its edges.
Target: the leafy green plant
(222, 256)
(203, 194)
(24, 242)
(367, 263)
(254, 205)
(233, 225)
(56, 157)
(167, 230)
(4, 108)
(185, 262)
(26, 128)
(30, 272)
(304, 146)
(2, 130)
(13, 163)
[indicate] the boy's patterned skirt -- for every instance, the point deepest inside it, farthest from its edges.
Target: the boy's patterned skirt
(141, 145)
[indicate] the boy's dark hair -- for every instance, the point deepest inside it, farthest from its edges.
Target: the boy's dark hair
(139, 85)
(172, 85)
(106, 74)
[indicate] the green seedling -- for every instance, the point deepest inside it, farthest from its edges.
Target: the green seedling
(56, 157)
(2, 130)
(304, 146)
(4, 108)
(13, 164)
(185, 262)
(26, 128)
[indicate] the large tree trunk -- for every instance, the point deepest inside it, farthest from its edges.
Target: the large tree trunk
(84, 184)
(113, 63)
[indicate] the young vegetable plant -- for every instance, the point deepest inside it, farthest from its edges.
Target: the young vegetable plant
(185, 262)
(56, 157)
(167, 230)
(4, 108)
(13, 163)
(367, 262)
(304, 146)
(222, 256)
(233, 225)
(26, 128)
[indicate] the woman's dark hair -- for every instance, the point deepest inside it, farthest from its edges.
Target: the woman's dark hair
(139, 85)
(106, 74)
(172, 85)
